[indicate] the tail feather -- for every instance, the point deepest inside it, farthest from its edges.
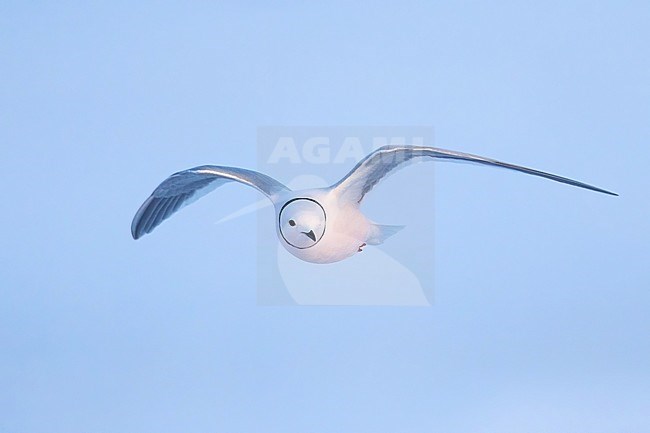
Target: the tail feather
(379, 233)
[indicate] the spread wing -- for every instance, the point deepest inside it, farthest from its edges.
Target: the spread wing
(187, 186)
(377, 165)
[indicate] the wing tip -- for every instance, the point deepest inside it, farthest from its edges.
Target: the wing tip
(604, 191)
(136, 235)
(137, 229)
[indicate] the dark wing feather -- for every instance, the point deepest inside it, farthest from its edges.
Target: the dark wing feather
(184, 187)
(377, 165)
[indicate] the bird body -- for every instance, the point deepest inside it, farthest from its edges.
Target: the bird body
(321, 225)
(346, 228)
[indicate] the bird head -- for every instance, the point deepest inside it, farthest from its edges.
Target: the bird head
(302, 222)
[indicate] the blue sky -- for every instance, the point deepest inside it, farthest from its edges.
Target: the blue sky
(540, 320)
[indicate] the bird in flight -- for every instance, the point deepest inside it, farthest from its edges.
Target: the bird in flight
(322, 225)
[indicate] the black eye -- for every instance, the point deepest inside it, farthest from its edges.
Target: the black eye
(292, 223)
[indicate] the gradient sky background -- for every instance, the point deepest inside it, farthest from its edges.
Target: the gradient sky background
(541, 314)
